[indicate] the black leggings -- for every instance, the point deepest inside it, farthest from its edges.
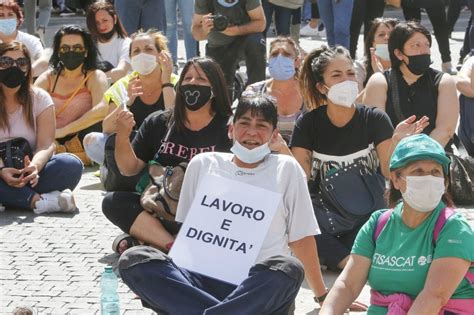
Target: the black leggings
(364, 12)
(315, 11)
(333, 249)
(122, 208)
(437, 16)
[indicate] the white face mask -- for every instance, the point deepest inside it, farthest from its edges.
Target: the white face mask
(344, 93)
(144, 63)
(423, 193)
(381, 51)
(250, 156)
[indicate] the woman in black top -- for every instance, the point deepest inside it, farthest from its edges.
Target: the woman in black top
(337, 134)
(422, 90)
(198, 124)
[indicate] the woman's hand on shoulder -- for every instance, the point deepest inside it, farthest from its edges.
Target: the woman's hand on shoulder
(278, 144)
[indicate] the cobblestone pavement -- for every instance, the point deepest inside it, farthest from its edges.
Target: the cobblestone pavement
(53, 262)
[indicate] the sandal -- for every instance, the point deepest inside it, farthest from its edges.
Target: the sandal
(130, 242)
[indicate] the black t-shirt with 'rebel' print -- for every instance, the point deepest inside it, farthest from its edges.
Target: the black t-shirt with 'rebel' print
(180, 146)
(335, 147)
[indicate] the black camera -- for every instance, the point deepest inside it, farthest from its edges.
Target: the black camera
(220, 22)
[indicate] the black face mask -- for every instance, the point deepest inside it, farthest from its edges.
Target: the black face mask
(71, 60)
(419, 64)
(107, 36)
(12, 77)
(195, 96)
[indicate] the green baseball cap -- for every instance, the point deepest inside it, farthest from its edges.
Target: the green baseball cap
(416, 148)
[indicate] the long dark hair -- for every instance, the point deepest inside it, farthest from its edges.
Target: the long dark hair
(110, 9)
(90, 63)
(220, 103)
(400, 34)
(314, 66)
(388, 22)
(23, 96)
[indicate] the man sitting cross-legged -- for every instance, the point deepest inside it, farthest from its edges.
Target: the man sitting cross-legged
(275, 278)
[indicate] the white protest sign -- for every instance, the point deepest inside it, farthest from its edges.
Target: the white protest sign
(225, 228)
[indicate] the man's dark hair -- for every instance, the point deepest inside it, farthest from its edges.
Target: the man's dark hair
(258, 104)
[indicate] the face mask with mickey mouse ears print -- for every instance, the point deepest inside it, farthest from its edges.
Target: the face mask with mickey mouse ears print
(195, 96)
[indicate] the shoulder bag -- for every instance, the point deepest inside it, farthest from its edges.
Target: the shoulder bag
(347, 197)
(14, 151)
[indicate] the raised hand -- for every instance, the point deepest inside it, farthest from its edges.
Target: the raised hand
(410, 126)
(166, 64)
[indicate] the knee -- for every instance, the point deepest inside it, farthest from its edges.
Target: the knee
(108, 206)
(71, 164)
(288, 265)
(138, 255)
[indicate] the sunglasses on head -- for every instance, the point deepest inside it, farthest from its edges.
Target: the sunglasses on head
(6, 62)
(78, 48)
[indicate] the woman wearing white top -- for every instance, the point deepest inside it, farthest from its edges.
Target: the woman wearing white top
(111, 38)
(44, 182)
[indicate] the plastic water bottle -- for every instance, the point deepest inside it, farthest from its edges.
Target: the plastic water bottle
(109, 300)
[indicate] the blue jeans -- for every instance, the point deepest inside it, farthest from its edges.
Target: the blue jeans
(166, 288)
(45, 7)
(62, 171)
(336, 16)
(186, 8)
(145, 14)
(282, 17)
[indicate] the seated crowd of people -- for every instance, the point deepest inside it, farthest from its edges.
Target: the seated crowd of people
(325, 132)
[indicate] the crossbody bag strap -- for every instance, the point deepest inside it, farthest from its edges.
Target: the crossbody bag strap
(395, 95)
(68, 101)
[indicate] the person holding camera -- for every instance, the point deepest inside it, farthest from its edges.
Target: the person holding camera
(233, 28)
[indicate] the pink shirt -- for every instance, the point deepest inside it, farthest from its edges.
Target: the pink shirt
(19, 126)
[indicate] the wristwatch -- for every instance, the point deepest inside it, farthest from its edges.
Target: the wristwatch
(320, 299)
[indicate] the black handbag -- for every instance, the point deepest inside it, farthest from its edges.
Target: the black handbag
(13, 152)
(347, 197)
(461, 175)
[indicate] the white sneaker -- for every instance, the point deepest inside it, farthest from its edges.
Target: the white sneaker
(447, 67)
(56, 201)
(307, 30)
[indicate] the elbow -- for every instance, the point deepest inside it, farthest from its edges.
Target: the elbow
(261, 25)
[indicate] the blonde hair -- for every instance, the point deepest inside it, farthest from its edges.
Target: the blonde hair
(161, 43)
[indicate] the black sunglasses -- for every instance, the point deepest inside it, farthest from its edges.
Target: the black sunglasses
(6, 62)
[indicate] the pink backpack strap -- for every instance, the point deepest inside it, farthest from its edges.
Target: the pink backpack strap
(443, 216)
(381, 222)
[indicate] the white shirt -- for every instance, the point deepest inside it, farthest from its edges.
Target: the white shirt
(115, 50)
(32, 43)
(294, 218)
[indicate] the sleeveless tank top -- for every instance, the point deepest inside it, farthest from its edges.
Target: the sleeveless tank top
(80, 104)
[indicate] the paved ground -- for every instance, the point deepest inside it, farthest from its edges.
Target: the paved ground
(54, 261)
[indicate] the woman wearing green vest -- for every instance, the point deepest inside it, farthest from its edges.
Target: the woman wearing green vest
(417, 256)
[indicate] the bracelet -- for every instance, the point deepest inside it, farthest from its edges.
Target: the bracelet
(320, 299)
(167, 85)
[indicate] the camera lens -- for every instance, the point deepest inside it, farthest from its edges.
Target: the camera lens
(220, 22)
